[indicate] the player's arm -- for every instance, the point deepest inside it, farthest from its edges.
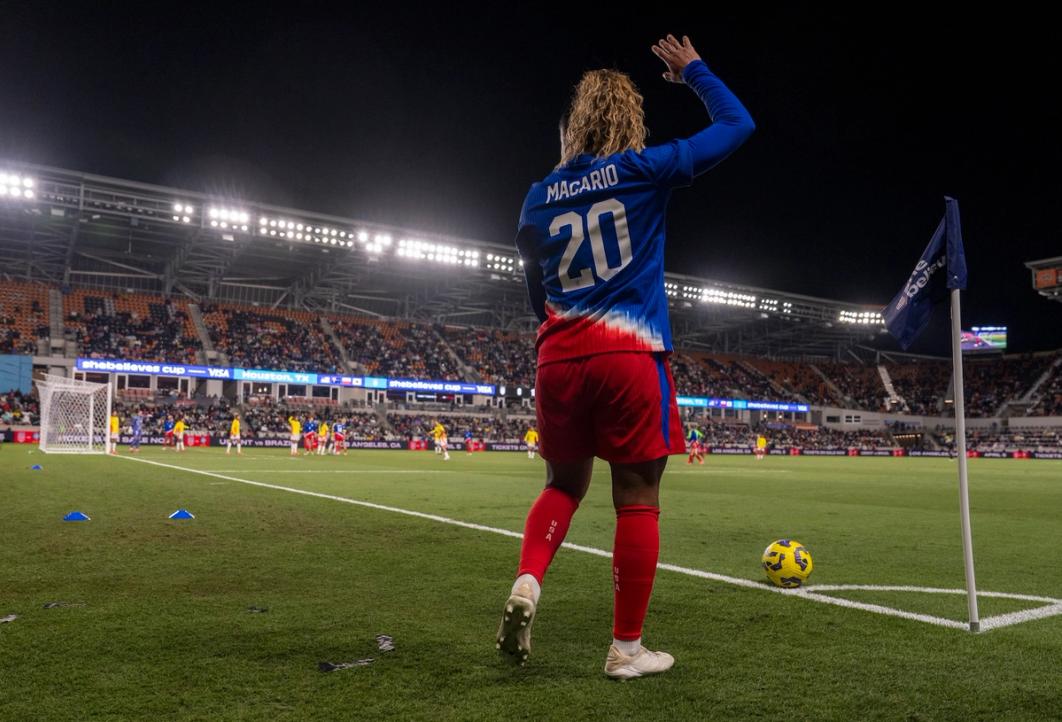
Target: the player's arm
(731, 122)
(536, 291)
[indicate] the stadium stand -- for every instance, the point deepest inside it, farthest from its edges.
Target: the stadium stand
(398, 349)
(861, 385)
(992, 382)
(922, 383)
(743, 436)
(797, 378)
(724, 376)
(1050, 400)
(496, 356)
(1014, 439)
(275, 339)
(483, 427)
(17, 409)
(258, 420)
(130, 326)
(23, 316)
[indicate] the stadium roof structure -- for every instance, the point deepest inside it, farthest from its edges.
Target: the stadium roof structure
(79, 229)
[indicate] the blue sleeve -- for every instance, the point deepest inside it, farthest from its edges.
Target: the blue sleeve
(527, 244)
(677, 163)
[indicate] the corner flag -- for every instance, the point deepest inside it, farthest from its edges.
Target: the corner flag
(940, 272)
(941, 267)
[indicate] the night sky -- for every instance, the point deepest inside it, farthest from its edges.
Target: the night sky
(439, 122)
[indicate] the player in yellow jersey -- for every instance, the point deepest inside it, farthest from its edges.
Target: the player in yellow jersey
(761, 447)
(234, 436)
(531, 439)
(322, 438)
(178, 433)
(296, 434)
(115, 425)
(438, 433)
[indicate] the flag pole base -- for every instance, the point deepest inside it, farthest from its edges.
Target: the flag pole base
(975, 627)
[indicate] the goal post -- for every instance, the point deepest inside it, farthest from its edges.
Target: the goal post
(74, 416)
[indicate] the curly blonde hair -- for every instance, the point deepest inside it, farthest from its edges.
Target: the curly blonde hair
(605, 116)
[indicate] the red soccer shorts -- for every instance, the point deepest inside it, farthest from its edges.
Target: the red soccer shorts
(618, 406)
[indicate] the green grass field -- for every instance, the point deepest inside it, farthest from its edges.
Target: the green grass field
(163, 629)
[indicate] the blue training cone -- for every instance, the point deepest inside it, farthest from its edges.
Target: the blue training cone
(76, 516)
(182, 514)
(36, 467)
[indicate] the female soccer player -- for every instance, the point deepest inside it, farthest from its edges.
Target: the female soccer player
(591, 236)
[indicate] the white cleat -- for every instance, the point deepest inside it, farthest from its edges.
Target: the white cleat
(514, 632)
(620, 666)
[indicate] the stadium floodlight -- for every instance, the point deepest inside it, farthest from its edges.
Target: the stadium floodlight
(17, 187)
(303, 231)
(496, 262)
(228, 218)
(861, 318)
(183, 212)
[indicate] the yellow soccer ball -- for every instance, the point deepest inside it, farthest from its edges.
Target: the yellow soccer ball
(787, 563)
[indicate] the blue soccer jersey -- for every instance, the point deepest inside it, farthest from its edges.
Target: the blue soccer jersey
(591, 234)
(167, 425)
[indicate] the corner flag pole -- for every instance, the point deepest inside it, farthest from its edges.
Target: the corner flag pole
(960, 443)
(908, 314)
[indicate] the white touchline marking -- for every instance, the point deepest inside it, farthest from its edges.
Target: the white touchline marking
(336, 471)
(925, 590)
(727, 471)
(812, 593)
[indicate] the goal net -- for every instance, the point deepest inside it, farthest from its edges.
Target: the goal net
(74, 416)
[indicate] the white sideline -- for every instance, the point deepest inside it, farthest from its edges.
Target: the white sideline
(814, 593)
(331, 471)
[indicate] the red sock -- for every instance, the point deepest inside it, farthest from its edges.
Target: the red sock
(546, 526)
(634, 558)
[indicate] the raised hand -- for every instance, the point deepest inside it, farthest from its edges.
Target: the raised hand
(675, 55)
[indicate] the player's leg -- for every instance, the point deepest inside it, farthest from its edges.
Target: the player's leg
(445, 450)
(568, 449)
(239, 445)
(635, 433)
(544, 531)
(635, 495)
(228, 444)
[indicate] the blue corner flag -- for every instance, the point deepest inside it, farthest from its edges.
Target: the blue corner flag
(76, 516)
(941, 267)
(182, 514)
